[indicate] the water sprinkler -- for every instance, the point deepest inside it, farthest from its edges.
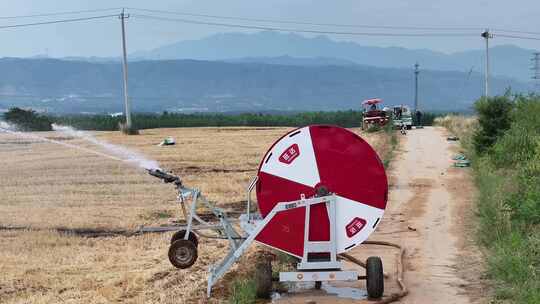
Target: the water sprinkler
(321, 191)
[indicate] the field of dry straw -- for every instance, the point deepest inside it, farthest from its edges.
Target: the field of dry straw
(48, 189)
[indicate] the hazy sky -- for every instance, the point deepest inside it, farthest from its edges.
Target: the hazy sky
(102, 37)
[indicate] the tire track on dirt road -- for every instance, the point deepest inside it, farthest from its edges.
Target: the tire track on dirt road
(437, 204)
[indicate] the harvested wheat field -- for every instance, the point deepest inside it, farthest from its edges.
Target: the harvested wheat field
(65, 213)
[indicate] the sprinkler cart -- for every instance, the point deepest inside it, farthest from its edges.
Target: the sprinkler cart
(321, 191)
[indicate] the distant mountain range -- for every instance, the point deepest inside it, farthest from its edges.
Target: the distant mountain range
(297, 61)
(214, 86)
(506, 60)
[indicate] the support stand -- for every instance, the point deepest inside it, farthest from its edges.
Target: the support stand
(313, 270)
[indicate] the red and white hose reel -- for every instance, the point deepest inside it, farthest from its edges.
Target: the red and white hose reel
(321, 191)
(321, 159)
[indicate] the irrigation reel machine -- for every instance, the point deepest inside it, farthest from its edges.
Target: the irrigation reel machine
(321, 191)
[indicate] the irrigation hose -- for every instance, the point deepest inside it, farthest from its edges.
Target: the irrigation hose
(400, 270)
(356, 261)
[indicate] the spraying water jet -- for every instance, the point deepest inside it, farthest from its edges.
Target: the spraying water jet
(120, 152)
(116, 153)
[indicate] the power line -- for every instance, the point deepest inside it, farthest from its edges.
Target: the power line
(515, 31)
(56, 21)
(61, 13)
(306, 22)
(56, 98)
(393, 27)
(272, 28)
(428, 28)
(516, 37)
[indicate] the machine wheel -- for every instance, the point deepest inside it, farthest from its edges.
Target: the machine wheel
(263, 278)
(179, 235)
(182, 253)
(374, 277)
(318, 285)
(409, 127)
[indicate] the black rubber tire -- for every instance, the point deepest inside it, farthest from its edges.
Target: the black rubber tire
(183, 253)
(263, 279)
(409, 127)
(374, 277)
(318, 285)
(179, 235)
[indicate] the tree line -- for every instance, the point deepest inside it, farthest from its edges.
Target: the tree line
(32, 121)
(346, 119)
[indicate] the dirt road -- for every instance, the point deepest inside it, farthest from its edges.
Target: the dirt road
(429, 213)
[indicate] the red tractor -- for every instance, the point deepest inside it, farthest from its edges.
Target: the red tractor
(372, 115)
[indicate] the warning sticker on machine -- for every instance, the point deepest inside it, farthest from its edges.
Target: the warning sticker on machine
(290, 154)
(355, 226)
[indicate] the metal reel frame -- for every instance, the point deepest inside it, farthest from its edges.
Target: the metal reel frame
(252, 224)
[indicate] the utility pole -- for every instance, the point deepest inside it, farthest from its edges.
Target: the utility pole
(487, 35)
(125, 70)
(536, 69)
(416, 72)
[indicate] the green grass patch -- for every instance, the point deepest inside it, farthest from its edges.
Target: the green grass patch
(243, 291)
(394, 142)
(507, 175)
